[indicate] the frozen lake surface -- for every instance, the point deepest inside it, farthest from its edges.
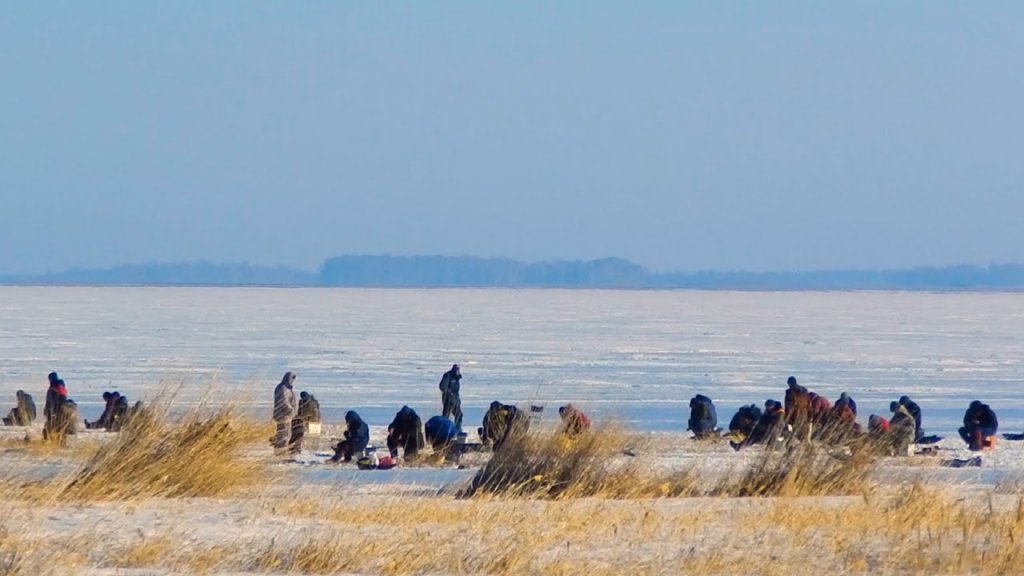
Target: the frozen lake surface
(636, 356)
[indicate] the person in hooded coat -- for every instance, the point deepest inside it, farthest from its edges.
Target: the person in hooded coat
(743, 422)
(109, 402)
(441, 434)
(768, 428)
(451, 401)
(574, 421)
(307, 412)
(64, 423)
(915, 412)
(405, 432)
(798, 408)
(980, 422)
(60, 412)
(901, 429)
(23, 413)
(119, 414)
(54, 393)
(703, 417)
(285, 409)
(309, 408)
(845, 401)
(501, 423)
(357, 438)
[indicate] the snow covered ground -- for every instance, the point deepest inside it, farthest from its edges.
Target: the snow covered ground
(636, 356)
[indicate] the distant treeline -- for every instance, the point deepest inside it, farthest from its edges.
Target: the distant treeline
(470, 271)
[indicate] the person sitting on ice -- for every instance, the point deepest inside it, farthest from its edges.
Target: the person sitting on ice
(501, 423)
(357, 438)
(119, 415)
(980, 423)
(703, 417)
(405, 431)
(744, 421)
(108, 409)
(574, 421)
(309, 408)
(768, 428)
(23, 413)
(441, 433)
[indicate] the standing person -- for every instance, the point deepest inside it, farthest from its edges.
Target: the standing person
(285, 409)
(798, 408)
(54, 393)
(451, 403)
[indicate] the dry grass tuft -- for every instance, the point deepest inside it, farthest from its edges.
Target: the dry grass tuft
(155, 456)
(592, 465)
(804, 470)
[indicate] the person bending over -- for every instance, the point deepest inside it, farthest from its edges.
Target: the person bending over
(405, 432)
(980, 422)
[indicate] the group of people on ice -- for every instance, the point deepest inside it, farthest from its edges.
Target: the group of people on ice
(806, 415)
(61, 412)
(407, 431)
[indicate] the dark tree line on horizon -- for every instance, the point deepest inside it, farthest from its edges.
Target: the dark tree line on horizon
(470, 271)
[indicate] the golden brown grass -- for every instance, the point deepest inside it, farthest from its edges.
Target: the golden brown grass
(808, 469)
(200, 454)
(913, 530)
(592, 465)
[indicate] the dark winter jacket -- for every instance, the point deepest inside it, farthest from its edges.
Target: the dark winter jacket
(703, 416)
(915, 412)
(451, 382)
(501, 422)
(744, 420)
(981, 416)
(356, 431)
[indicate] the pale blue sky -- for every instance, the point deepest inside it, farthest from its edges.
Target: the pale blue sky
(680, 135)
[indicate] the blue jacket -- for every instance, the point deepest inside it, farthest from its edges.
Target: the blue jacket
(440, 430)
